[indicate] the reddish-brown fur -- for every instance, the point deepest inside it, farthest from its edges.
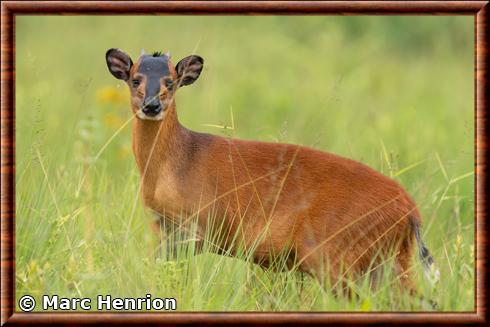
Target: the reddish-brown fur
(330, 214)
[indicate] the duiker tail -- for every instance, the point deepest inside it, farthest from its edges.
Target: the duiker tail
(430, 270)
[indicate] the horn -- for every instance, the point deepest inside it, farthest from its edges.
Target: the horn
(168, 54)
(142, 51)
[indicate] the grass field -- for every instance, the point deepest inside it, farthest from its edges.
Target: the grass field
(395, 93)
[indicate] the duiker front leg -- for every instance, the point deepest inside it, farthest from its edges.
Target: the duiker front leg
(164, 231)
(156, 227)
(178, 239)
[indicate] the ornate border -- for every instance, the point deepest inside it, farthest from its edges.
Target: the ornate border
(10, 9)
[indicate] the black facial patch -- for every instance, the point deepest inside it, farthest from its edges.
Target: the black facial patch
(154, 68)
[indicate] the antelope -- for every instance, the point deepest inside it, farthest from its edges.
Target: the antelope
(329, 214)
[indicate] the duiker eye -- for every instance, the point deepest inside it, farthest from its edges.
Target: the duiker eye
(168, 84)
(135, 82)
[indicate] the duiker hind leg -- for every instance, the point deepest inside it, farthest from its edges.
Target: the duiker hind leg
(327, 272)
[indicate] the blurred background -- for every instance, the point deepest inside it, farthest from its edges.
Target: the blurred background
(395, 93)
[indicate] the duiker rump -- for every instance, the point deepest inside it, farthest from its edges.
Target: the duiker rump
(330, 216)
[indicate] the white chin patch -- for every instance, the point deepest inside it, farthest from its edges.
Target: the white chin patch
(141, 115)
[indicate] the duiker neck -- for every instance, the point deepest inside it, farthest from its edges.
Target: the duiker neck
(158, 142)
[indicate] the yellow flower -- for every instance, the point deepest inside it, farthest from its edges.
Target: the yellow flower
(125, 151)
(459, 240)
(112, 94)
(112, 120)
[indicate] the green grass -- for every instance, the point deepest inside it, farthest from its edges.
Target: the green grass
(395, 93)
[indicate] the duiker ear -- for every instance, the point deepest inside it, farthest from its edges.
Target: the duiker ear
(119, 63)
(189, 69)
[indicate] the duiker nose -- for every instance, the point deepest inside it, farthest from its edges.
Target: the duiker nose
(152, 107)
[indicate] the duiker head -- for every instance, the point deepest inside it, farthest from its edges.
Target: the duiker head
(153, 79)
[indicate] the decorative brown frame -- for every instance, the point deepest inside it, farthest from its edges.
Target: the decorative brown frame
(10, 9)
